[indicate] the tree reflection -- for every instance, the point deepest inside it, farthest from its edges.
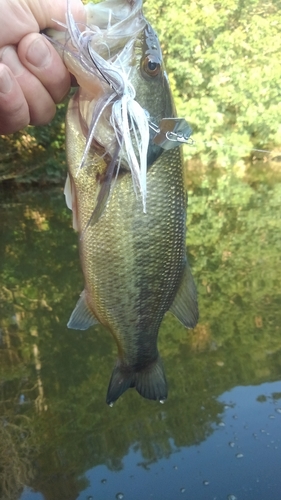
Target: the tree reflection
(54, 421)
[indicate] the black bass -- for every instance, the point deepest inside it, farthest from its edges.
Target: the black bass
(126, 191)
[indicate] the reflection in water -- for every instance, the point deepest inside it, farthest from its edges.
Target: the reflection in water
(221, 466)
(59, 439)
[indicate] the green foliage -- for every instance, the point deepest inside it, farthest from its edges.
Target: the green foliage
(223, 62)
(36, 154)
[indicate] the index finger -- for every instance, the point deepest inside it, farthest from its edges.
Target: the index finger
(42, 60)
(14, 112)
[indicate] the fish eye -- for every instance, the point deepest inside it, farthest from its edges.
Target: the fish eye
(150, 67)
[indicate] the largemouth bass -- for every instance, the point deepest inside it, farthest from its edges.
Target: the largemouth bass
(126, 191)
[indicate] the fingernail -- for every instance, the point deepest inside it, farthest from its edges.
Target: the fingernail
(38, 53)
(9, 57)
(6, 81)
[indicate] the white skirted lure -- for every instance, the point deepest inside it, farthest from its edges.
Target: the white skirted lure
(128, 119)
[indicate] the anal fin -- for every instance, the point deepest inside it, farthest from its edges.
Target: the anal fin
(82, 316)
(185, 306)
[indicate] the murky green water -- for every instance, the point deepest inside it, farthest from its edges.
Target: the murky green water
(218, 436)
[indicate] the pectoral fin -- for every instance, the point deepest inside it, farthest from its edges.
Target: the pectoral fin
(82, 316)
(104, 191)
(70, 200)
(185, 306)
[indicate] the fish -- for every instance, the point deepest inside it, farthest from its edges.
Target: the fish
(126, 189)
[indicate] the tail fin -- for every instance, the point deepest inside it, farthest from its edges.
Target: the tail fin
(120, 381)
(150, 382)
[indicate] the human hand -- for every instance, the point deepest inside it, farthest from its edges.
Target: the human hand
(33, 77)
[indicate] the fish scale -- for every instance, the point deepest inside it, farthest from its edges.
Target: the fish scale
(132, 253)
(136, 255)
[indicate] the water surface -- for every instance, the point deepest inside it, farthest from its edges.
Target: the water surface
(218, 436)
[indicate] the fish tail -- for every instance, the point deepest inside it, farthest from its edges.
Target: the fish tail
(120, 381)
(150, 382)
